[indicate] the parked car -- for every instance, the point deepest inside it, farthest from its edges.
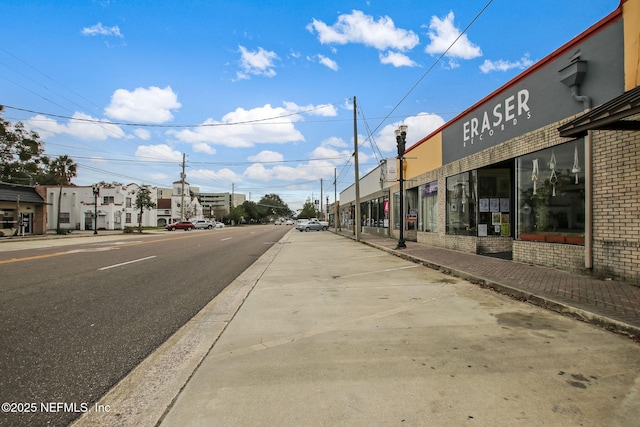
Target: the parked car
(204, 223)
(181, 225)
(314, 224)
(219, 225)
(289, 222)
(277, 222)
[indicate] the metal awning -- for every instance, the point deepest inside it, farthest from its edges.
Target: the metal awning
(609, 116)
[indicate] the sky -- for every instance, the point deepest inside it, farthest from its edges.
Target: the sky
(258, 95)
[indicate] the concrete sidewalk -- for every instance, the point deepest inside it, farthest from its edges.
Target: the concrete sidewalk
(611, 304)
(323, 330)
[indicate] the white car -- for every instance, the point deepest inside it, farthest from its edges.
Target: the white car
(289, 222)
(203, 223)
(219, 225)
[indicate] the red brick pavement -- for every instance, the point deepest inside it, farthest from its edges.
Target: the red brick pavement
(612, 304)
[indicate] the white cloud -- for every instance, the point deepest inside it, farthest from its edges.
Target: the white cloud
(203, 147)
(258, 63)
(502, 65)
(357, 27)
(266, 156)
(396, 59)
(328, 62)
(419, 126)
(323, 161)
(258, 172)
(80, 125)
(323, 110)
(221, 175)
(261, 125)
(143, 134)
(158, 153)
(335, 141)
(443, 34)
(100, 30)
(152, 105)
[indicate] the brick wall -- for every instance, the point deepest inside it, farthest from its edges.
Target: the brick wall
(616, 204)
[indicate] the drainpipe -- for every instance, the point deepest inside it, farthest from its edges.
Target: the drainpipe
(588, 182)
(572, 76)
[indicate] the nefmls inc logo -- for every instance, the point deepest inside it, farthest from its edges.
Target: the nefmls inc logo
(505, 113)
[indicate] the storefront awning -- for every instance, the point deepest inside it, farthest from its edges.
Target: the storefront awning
(609, 116)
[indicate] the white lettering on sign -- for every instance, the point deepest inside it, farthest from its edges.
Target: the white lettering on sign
(505, 112)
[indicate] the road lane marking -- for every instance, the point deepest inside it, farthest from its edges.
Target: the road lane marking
(70, 252)
(125, 263)
(228, 238)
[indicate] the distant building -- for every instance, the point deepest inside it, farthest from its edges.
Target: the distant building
(217, 205)
(78, 205)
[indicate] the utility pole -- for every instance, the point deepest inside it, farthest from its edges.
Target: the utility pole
(182, 177)
(321, 211)
(335, 199)
(356, 222)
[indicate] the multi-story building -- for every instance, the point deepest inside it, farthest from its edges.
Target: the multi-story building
(218, 205)
(114, 205)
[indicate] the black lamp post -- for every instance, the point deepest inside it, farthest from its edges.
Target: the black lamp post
(401, 140)
(96, 192)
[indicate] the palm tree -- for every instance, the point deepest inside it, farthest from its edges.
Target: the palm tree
(63, 169)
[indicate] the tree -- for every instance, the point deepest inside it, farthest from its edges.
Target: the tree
(237, 214)
(142, 201)
(22, 159)
(273, 205)
(308, 210)
(62, 170)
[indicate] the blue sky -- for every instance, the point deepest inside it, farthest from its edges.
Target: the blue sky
(259, 94)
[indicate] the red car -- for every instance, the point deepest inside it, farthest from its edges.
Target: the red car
(181, 225)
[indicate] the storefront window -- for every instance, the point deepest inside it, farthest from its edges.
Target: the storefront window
(428, 215)
(550, 194)
(375, 213)
(461, 204)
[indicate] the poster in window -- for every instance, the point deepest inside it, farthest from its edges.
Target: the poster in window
(504, 205)
(494, 205)
(505, 219)
(484, 205)
(505, 229)
(496, 218)
(482, 230)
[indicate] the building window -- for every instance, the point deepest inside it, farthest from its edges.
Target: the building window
(550, 194)
(461, 204)
(428, 215)
(106, 200)
(375, 213)
(127, 218)
(128, 202)
(65, 218)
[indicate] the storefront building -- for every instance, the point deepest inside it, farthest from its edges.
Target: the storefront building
(544, 170)
(374, 202)
(22, 210)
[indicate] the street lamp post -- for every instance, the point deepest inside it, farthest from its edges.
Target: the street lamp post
(401, 140)
(96, 192)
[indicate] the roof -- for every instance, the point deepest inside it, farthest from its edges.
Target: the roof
(10, 192)
(609, 116)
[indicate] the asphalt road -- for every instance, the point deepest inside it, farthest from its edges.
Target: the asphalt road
(76, 319)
